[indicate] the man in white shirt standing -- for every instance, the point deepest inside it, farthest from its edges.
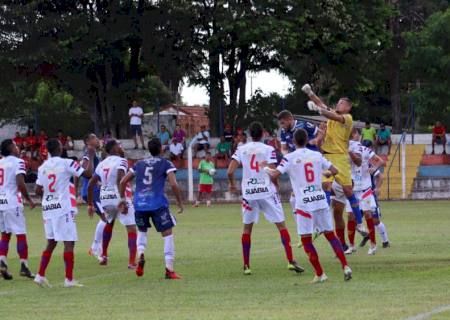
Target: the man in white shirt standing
(202, 139)
(136, 115)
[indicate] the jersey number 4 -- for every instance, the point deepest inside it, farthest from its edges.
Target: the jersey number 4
(254, 165)
(309, 172)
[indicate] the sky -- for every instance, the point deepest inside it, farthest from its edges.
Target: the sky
(268, 82)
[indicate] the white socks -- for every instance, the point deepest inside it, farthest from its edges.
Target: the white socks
(169, 251)
(382, 231)
(141, 242)
(98, 236)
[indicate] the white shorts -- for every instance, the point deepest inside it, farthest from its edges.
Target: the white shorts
(292, 202)
(271, 206)
(61, 228)
(318, 220)
(13, 221)
(125, 219)
(339, 194)
(366, 201)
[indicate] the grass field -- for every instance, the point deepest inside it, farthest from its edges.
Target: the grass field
(411, 277)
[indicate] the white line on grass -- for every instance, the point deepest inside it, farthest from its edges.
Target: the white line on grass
(427, 315)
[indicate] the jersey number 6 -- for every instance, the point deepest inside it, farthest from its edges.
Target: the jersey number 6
(309, 173)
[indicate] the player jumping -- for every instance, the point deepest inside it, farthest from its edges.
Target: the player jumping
(109, 173)
(150, 202)
(12, 218)
(259, 193)
(305, 169)
(59, 207)
(335, 149)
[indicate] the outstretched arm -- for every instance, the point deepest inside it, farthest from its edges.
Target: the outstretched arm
(176, 190)
(319, 106)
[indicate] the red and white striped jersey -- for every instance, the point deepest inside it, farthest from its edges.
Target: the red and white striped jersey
(305, 168)
(107, 172)
(56, 178)
(10, 197)
(256, 183)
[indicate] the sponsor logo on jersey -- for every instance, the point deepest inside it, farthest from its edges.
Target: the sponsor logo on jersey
(310, 199)
(256, 181)
(3, 201)
(312, 189)
(108, 196)
(51, 206)
(256, 190)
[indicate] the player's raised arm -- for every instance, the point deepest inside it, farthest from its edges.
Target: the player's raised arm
(356, 158)
(319, 106)
(20, 180)
(88, 163)
(377, 163)
(175, 189)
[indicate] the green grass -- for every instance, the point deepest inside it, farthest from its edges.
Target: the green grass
(409, 278)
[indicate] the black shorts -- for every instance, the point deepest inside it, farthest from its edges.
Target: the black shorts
(136, 129)
(201, 146)
(162, 219)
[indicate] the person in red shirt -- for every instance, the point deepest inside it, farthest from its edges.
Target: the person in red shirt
(42, 138)
(18, 140)
(30, 141)
(439, 136)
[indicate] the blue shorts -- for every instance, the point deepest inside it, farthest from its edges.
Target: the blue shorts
(376, 214)
(96, 201)
(136, 129)
(162, 219)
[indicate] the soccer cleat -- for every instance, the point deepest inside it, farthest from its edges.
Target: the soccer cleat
(208, 204)
(140, 266)
(372, 250)
(196, 204)
(25, 271)
(386, 244)
(4, 271)
(350, 250)
(72, 284)
(294, 266)
(103, 261)
(42, 281)
(344, 247)
(364, 241)
(247, 270)
(132, 266)
(347, 273)
(172, 275)
(362, 230)
(319, 279)
(94, 253)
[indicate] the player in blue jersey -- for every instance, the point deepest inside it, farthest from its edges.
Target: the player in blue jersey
(150, 202)
(289, 125)
(92, 142)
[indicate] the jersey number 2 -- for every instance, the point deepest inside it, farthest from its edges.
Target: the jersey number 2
(309, 173)
(51, 185)
(254, 165)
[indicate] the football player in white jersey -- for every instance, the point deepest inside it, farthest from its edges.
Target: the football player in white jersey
(12, 218)
(305, 169)
(59, 207)
(109, 172)
(362, 186)
(259, 193)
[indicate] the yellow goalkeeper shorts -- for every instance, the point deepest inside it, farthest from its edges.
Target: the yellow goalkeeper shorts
(342, 163)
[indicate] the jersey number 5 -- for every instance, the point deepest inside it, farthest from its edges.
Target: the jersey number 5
(254, 165)
(148, 176)
(51, 185)
(309, 172)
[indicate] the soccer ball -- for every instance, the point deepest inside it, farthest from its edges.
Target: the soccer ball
(212, 172)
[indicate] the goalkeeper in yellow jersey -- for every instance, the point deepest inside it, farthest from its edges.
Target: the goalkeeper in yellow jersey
(335, 149)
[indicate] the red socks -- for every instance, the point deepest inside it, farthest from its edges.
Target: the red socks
(351, 229)
(246, 244)
(337, 247)
(311, 252)
(132, 246)
(107, 235)
(45, 259)
(4, 244)
(371, 227)
(22, 246)
(286, 241)
(341, 235)
(68, 262)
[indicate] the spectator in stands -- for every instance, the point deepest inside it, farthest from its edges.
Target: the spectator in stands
(42, 138)
(368, 133)
(383, 138)
(206, 170)
(164, 136)
(228, 133)
(223, 150)
(202, 139)
(439, 136)
(30, 142)
(106, 137)
(63, 139)
(239, 140)
(180, 135)
(176, 150)
(136, 115)
(43, 151)
(18, 140)
(70, 145)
